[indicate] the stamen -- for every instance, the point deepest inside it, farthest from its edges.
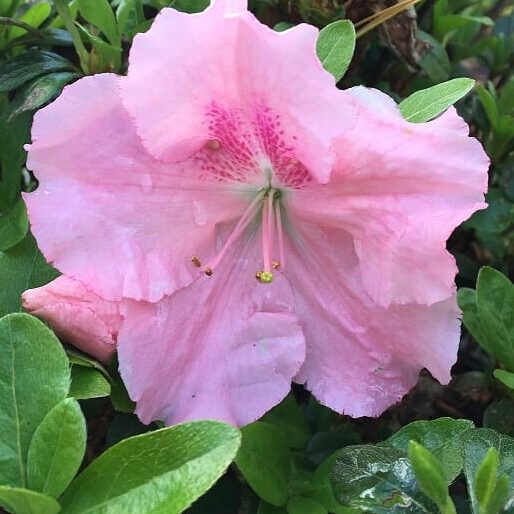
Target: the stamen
(196, 261)
(264, 276)
(241, 225)
(275, 265)
(213, 144)
(280, 237)
(268, 230)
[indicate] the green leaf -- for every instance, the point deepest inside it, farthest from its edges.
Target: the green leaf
(379, 480)
(129, 15)
(500, 496)
(321, 489)
(35, 15)
(476, 444)
(88, 383)
(488, 313)
(57, 449)
(430, 476)
(443, 437)
(109, 56)
(504, 377)
(435, 62)
(335, 47)
(161, 471)
(300, 505)
(485, 479)
(23, 501)
(22, 267)
(40, 91)
(13, 225)
(100, 14)
(29, 65)
(288, 417)
(490, 107)
(495, 303)
(428, 103)
(265, 462)
(35, 377)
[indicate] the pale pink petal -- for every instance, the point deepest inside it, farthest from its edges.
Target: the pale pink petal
(361, 358)
(108, 214)
(224, 348)
(77, 315)
(401, 189)
(242, 83)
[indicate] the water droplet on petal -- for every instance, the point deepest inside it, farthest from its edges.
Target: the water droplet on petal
(199, 213)
(146, 183)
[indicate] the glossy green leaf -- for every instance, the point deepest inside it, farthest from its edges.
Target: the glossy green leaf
(443, 437)
(13, 225)
(100, 14)
(23, 501)
(264, 460)
(335, 47)
(22, 267)
(87, 383)
(29, 65)
(161, 471)
(57, 449)
(301, 505)
(35, 376)
(40, 91)
(476, 444)
(500, 497)
(379, 480)
(428, 103)
(504, 377)
(430, 477)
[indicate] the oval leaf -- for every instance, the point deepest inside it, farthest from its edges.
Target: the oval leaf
(264, 460)
(88, 383)
(162, 471)
(335, 47)
(100, 14)
(35, 376)
(428, 103)
(443, 437)
(57, 449)
(23, 501)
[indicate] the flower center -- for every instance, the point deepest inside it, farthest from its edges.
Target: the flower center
(266, 202)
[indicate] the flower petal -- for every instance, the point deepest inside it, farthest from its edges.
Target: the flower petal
(107, 213)
(224, 348)
(361, 358)
(400, 189)
(240, 66)
(77, 315)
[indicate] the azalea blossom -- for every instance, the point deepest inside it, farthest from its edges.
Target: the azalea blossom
(255, 225)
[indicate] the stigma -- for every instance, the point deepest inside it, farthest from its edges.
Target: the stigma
(266, 205)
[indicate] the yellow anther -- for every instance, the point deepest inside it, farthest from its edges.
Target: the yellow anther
(208, 272)
(265, 277)
(196, 261)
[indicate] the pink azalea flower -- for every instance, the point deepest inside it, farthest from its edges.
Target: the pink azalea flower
(257, 225)
(77, 315)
